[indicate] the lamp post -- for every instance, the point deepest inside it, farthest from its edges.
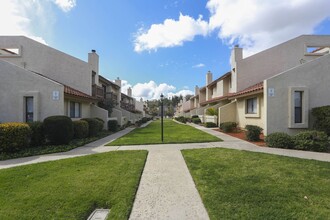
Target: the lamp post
(162, 115)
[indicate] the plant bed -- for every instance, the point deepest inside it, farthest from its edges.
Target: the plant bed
(239, 133)
(48, 149)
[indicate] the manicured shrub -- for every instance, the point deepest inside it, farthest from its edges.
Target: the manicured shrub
(93, 126)
(113, 125)
(228, 126)
(181, 119)
(280, 140)
(188, 119)
(80, 129)
(14, 136)
(253, 132)
(144, 120)
(101, 123)
(138, 123)
(210, 124)
(37, 135)
(196, 120)
(58, 129)
(194, 116)
(322, 118)
(312, 141)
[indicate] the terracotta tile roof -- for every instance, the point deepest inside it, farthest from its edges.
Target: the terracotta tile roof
(257, 87)
(74, 92)
(214, 100)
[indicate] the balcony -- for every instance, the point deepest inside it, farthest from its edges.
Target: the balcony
(97, 91)
(127, 106)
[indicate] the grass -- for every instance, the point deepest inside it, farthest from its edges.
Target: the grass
(72, 188)
(173, 133)
(48, 149)
(246, 185)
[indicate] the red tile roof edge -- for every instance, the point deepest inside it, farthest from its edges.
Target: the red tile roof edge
(74, 92)
(257, 87)
(214, 100)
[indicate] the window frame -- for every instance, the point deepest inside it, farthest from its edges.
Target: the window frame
(29, 116)
(76, 106)
(304, 102)
(255, 114)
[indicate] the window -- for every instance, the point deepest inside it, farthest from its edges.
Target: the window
(9, 52)
(75, 110)
(298, 107)
(317, 50)
(298, 97)
(251, 106)
(29, 109)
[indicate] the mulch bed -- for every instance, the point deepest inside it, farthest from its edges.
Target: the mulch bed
(241, 135)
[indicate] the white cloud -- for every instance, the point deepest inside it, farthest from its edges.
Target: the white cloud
(183, 92)
(171, 33)
(65, 5)
(198, 65)
(257, 24)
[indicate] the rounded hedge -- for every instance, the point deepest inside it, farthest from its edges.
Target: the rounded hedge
(37, 135)
(210, 124)
(113, 125)
(196, 120)
(93, 126)
(253, 132)
(279, 140)
(58, 129)
(228, 126)
(80, 129)
(101, 123)
(14, 136)
(312, 141)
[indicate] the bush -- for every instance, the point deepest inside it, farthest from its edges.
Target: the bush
(144, 120)
(253, 132)
(194, 116)
(58, 129)
(311, 141)
(228, 126)
(181, 119)
(212, 111)
(101, 123)
(322, 119)
(80, 129)
(37, 135)
(196, 120)
(280, 140)
(113, 125)
(93, 126)
(138, 123)
(210, 124)
(14, 136)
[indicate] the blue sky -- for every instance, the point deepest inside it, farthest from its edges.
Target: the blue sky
(163, 46)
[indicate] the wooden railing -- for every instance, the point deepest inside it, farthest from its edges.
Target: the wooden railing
(97, 91)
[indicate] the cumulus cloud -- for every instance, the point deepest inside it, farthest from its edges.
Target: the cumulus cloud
(198, 65)
(151, 90)
(170, 33)
(257, 24)
(65, 5)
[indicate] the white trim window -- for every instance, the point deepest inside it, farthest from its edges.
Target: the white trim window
(29, 109)
(298, 107)
(251, 106)
(75, 109)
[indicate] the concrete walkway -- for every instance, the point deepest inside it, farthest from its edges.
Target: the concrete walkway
(166, 189)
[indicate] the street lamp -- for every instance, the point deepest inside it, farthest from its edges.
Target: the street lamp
(162, 115)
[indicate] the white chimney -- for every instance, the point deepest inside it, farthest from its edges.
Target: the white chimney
(196, 90)
(208, 77)
(129, 92)
(93, 61)
(118, 82)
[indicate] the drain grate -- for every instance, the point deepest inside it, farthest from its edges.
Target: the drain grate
(99, 214)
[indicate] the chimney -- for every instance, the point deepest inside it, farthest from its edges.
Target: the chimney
(118, 82)
(208, 77)
(93, 61)
(196, 90)
(129, 92)
(236, 54)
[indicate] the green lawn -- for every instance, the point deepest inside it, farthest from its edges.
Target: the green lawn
(173, 133)
(246, 185)
(72, 188)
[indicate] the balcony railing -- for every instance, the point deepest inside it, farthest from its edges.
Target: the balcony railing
(97, 91)
(127, 106)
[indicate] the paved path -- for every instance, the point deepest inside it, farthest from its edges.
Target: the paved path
(166, 189)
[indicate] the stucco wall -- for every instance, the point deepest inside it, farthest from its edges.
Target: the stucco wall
(314, 75)
(49, 62)
(243, 119)
(97, 112)
(275, 60)
(16, 83)
(227, 112)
